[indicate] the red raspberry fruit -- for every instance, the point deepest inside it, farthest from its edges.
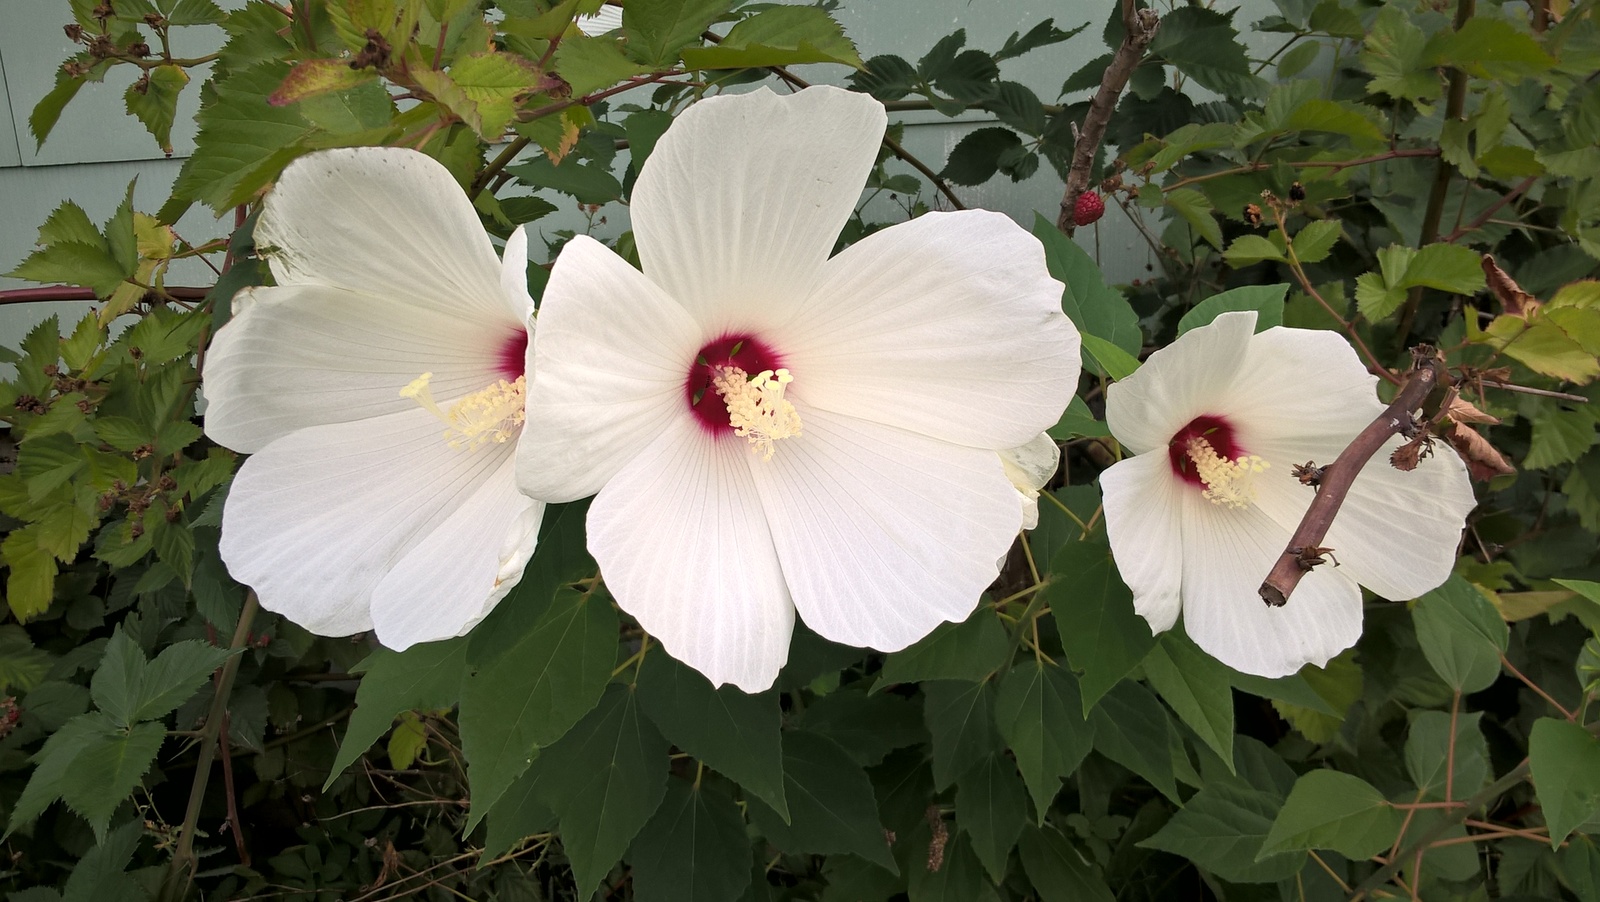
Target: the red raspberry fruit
(1088, 208)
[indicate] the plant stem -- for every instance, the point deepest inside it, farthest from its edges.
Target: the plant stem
(181, 871)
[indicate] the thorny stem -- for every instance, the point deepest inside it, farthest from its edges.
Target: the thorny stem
(181, 870)
(1340, 475)
(1139, 30)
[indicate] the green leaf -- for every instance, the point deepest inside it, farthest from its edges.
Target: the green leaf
(1564, 760)
(520, 813)
(1017, 106)
(153, 100)
(589, 183)
(1265, 300)
(1058, 870)
(1489, 47)
(961, 720)
(1196, 209)
(778, 36)
(734, 733)
(1203, 45)
(969, 76)
(1093, 306)
(589, 64)
(1196, 685)
(531, 693)
(868, 727)
(73, 263)
(196, 12)
(1461, 633)
(1112, 360)
(1447, 267)
(1078, 421)
(175, 675)
(831, 805)
(1559, 437)
(959, 878)
(47, 112)
(106, 770)
(1248, 249)
(1313, 243)
(243, 140)
(1221, 829)
(1133, 729)
(885, 78)
(31, 583)
(1042, 35)
(1040, 715)
(693, 849)
(1298, 59)
(658, 29)
(1093, 611)
(1328, 809)
(969, 650)
(1429, 750)
(1394, 55)
(54, 763)
(22, 666)
(977, 156)
(992, 806)
(99, 875)
(422, 677)
(604, 779)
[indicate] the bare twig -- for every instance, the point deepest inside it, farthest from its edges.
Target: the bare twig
(1140, 29)
(50, 293)
(1340, 475)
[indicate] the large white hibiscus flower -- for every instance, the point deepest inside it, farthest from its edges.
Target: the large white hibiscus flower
(358, 508)
(1217, 421)
(857, 477)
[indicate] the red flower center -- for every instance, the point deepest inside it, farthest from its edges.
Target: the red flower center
(742, 350)
(1216, 431)
(511, 360)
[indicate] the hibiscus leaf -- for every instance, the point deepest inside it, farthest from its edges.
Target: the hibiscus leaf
(735, 733)
(1265, 300)
(534, 692)
(1221, 830)
(1058, 870)
(961, 718)
(1564, 760)
(1040, 715)
(695, 847)
(992, 806)
(421, 677)
(1461, 634)
(1132, 728)
(1093, 306)
(604, 779)
(969, 650)
(869, 727)
(519, 813)
(831, 804)
(1196, 685)
(1332, 810)
(1430, 751)
(1093, 609)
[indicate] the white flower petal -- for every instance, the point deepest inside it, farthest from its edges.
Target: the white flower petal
(317, 519)
(514, 274)
(948, 325)
(1299, 392)
(684, 547)
(1227, 552)
(743, 198)
(1144, 520)
(384, 221)
(884, 534)
(1029, 467)
(311, 355)
(1183, 380)
(463, 566)
(612, 356)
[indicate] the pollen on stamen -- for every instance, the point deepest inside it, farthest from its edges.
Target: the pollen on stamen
(1229, 483)
(757, 409)
(492, 415)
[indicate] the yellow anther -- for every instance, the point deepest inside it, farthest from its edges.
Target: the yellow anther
(494, 414)
(757, 409)
(1229, 483)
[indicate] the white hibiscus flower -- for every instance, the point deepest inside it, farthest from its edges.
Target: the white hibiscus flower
(857, 477)
(358, 508)
(1217, 421)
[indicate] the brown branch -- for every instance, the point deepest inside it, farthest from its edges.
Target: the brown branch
(1493, 208)
(1337, 478)
(1139, 30)
(78, 293)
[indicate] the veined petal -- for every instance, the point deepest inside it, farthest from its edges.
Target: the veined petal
(1299, 392)
(884, 534)
(383, 221)
(613, 353)
(514, 275)
(310, 355)
(682, 541)
(744, 196)
(1184, 380)
(317, 519)
(1227, 552)
(1144, 520)
(948, 325)
(462, 567)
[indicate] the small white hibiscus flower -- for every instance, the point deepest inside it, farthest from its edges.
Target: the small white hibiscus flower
(1217, 421)
(365, 503)
(1029, 467)
(770, 429)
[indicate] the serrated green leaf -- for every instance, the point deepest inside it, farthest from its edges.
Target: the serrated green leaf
(1093, 610)
(424, 676)
(1042, 35)
(1058, 870)
(588, 183)
(1248, 249)
(1132, 728)
(885, 77)
(694, 848)
(1265, 300)
(1298, 59)
(969, 650)
(529, 695)
(831, 806)
(153, 100)
(1461, 634)
(1559, 437)
(1313, 243)
(196, 12)
(53, 763)
(1202, 44)
(778, 36)
(1447, 267)
(991, 807)
(100, 873)
(47, 112)
(31, 583)
(658, 29)
(735, 733)
(1489, 47)
(22, 666)
(976, 157)
(1017, 106)
(591, 63)
(73, 263)
(1329, 809)
(969, 77)
(1040, 715)
(1196, 685)
(243, 140)
(177, 673)
(1393, 54)
(1196, 210)
(1564, 761)
(106, 770)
